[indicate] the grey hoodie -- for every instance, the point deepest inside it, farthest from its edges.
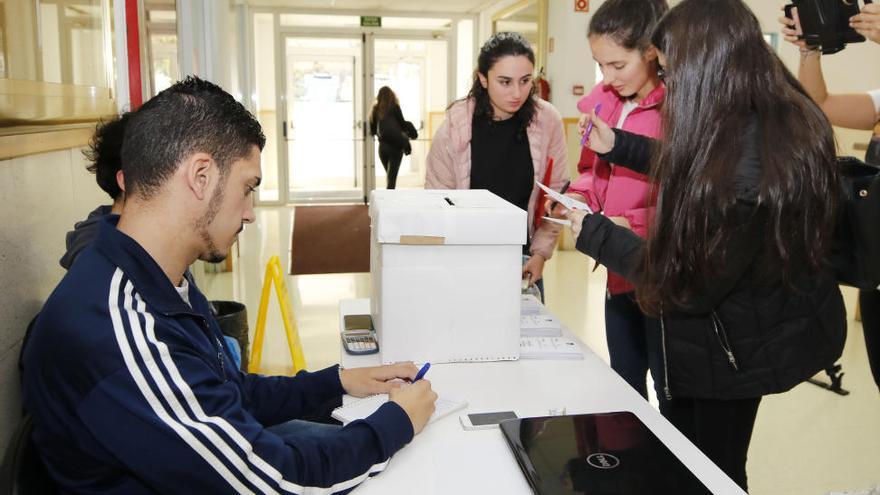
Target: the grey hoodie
(82, 235)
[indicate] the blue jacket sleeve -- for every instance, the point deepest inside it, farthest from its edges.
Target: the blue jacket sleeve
(275, 399)
(174, 423)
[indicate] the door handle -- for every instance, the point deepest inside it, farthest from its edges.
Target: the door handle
(284, 128)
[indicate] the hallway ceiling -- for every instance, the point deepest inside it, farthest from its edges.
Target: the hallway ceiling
(448, 6)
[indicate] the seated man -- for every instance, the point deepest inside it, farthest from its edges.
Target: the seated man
(130, 386)
(105, 154)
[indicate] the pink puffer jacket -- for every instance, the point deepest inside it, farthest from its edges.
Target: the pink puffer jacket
(613, 190)
(449, 160)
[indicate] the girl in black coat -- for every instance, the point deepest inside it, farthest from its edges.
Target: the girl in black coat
(386, 121)
(736, 264)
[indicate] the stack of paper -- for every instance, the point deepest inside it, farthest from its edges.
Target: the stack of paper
(549, 348)
(530, 305)
(540, 325)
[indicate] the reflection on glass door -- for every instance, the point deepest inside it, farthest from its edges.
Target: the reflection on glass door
(415, 69)
(162, 47)
(323, 119)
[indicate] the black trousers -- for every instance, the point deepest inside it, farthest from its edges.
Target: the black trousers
(869, 302)
(634, 345)
(722, 429)
(390, 158)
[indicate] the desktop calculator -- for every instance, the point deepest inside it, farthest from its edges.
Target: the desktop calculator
(359, 337)
(360, 341)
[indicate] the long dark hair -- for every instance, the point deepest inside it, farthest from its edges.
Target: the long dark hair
(721, 76)
(628, 22)
(385, 100)
(500, 45)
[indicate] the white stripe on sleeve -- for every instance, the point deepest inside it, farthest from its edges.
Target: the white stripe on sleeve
(179, 412)
(152, 400)
(202, 420)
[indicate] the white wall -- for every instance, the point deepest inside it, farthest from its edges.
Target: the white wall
(204, 40)
(571, 62)
(436, 81)
(43, 196)
(484, 28)
(465, 58)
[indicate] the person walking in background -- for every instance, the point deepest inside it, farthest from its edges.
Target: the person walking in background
(386, 122)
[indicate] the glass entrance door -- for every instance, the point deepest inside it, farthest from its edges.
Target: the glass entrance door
(315, 77)
(323, 119)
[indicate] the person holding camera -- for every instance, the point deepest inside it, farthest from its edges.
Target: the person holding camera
(867, 22)
(853, 111)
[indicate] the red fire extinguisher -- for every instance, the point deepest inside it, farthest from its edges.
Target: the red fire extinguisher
(543, 86)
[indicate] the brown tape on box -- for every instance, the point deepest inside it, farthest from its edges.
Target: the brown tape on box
(422, 240)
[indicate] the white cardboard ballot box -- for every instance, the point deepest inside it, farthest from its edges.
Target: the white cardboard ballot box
(445, 268)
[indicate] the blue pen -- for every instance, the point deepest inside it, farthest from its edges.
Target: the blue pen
(590, 126)
(421, 373)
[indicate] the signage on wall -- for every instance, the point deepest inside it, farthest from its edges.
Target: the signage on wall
(581, 5)
(577, 90)
(371, 21)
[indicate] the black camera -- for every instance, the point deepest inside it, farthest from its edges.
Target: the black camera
(825, 23)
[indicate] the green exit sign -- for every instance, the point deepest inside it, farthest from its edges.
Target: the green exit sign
(371, 21)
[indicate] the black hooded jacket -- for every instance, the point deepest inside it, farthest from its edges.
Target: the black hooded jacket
(748, 334)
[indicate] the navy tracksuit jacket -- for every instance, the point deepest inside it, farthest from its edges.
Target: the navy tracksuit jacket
(132, 391)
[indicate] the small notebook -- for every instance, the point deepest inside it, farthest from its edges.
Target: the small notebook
(361, 408)
(549, 348)
(539, 326)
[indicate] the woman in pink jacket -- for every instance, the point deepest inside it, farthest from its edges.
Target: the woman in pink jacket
(630, 96)
(503, 138)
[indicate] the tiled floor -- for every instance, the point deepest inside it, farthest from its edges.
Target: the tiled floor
(806, 441)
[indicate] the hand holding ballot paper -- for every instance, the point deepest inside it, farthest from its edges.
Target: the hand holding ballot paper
(570, 204)
(567, 201)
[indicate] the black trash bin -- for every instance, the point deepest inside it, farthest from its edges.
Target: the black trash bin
(232, 317)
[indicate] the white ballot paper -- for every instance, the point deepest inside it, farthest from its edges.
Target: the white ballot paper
(560, 221)
(566, 201)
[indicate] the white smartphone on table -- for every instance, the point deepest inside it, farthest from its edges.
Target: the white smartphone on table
(485, 421)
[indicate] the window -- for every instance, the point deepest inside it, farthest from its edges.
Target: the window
(55, 63)
(162, 36)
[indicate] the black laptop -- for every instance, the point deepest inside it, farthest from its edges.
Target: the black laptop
(596, 454)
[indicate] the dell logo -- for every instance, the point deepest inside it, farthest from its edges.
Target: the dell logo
(603, 461)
